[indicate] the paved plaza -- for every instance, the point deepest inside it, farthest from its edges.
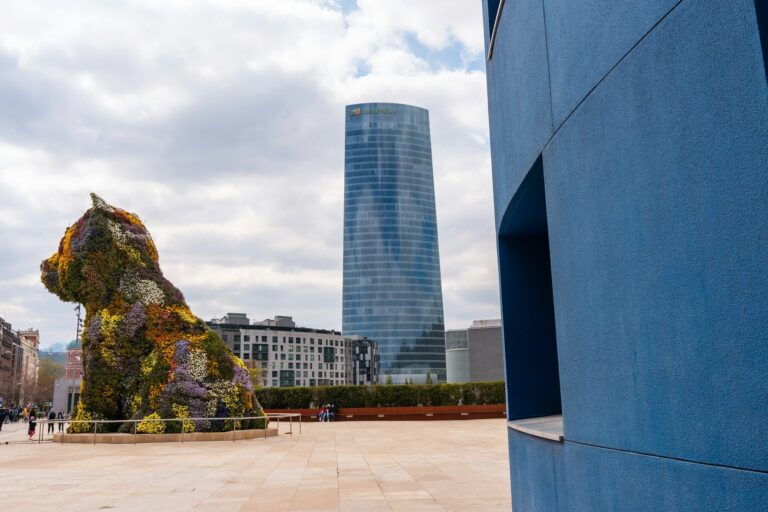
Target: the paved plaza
(348, 466)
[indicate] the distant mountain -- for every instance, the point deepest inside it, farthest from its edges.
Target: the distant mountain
(56, 347)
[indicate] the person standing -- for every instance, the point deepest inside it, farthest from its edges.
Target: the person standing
(3, 414)
(51, 418)
(60, 417)
(32, 424)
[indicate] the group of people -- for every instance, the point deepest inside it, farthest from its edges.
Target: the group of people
(327, 412)
(14, 414)
(29, 416)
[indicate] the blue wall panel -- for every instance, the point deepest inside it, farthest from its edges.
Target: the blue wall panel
(657, 197)
(601, 480)
(586, 38)
(657, 210)
(536, 473)
(519, 84)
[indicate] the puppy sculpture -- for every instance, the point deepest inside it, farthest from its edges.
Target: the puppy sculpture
(145, 353)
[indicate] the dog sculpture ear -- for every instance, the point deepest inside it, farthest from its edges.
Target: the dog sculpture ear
(100, 204)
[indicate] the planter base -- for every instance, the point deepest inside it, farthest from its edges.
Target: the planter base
(163, 438)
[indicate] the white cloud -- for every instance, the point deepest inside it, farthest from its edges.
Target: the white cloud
(221, 124)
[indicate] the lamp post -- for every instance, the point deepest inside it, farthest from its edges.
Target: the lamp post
(71, 387)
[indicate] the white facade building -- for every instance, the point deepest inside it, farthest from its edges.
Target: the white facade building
(294, 356)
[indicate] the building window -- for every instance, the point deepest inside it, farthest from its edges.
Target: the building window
(246, 338)
(237, 338)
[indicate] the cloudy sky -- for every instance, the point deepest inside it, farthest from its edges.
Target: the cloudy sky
(220, 122)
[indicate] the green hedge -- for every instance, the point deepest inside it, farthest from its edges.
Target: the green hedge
(471, 393)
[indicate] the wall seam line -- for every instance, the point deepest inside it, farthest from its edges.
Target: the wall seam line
(549, 71)
(676, 459)
(607, 73)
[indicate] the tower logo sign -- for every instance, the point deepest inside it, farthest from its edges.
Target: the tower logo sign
(358, 111)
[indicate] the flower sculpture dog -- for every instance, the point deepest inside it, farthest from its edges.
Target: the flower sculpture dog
(145, 354)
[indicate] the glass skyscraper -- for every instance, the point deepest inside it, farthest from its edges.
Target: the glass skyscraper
(392, 287)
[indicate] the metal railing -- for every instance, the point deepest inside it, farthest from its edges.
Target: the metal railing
(40, 424)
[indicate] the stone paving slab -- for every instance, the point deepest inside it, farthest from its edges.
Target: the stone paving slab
(348, 466)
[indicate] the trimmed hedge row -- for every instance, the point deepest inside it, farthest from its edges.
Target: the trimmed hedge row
(407, 395)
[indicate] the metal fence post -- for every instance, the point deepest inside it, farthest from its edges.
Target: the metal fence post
(134, 431)
(94, 433)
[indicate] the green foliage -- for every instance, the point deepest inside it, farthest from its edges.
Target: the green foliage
(408, 395)
(388, 381)
(428, 380)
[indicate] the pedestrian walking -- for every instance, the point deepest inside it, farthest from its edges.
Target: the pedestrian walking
(51, 418)
(3, 415)
(32, 424)
(60, 417)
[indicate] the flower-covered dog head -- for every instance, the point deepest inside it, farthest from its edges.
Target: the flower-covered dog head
(107, 251)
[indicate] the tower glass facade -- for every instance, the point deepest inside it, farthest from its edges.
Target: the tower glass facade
(392, 288)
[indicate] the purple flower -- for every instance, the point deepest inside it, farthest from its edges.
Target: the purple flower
(242, 378)
(94, 328)
(181, 353)
(134, 320)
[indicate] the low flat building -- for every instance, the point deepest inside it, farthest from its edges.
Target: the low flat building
(457, 355)
(475, 354)
(66, 390)
(66, 394)
(298, 356)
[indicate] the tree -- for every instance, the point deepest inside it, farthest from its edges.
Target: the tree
(49, 371)
(428, 380)
(388, 381)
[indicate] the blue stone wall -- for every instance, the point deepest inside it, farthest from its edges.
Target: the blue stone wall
(650, 122)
